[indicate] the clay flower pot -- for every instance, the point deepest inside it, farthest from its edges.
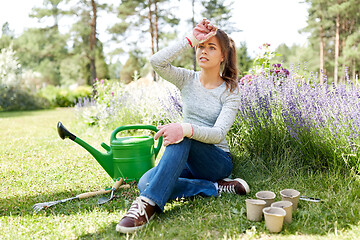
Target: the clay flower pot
(291, 195)
(287, 206)
(274, 218)
(254, 209)
(267, 196)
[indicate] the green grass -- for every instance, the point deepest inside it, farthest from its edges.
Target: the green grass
(37, 166)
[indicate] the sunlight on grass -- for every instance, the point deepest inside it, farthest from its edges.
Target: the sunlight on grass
(38, 166)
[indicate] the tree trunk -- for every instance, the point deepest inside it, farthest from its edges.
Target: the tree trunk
(337, 48)
(151, 30)
(322, 45)
(156, 27)
(193, 23)
(93, 45)
(151, 27)
(156, 34)
(343, 78)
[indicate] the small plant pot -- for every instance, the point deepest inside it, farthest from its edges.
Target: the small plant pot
(267, 196)
(274, 218)
(287, 206)
(291, 195)
(254, 209)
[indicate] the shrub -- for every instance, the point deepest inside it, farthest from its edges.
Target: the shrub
(14, 98)
(65, 97)
(9, 67)
(141, 102)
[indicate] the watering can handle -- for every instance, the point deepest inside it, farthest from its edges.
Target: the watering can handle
(130, 127)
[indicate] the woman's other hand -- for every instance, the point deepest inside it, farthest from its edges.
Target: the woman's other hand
(174, 132)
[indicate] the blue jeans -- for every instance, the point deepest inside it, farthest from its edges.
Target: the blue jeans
(186, 169)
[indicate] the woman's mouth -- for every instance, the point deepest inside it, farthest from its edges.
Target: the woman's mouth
(203, 59)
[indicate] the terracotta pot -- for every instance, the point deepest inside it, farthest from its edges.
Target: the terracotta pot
(267, 196)
(274, 218)
(254, 209)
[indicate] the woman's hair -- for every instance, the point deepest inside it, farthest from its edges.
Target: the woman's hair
(229, 66)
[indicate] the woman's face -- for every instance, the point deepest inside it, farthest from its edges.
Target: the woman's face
(208, 54)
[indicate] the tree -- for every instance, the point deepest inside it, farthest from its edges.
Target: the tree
(50, 9)
(300, 59)
(42, 50)
(85, 41)
(49, 51)
(244, 61)
(132, 65)
(93, 42)
(332, 23)
(7, 36)
(320, 26)
(347, 23)
(219, 13)
(140, 18)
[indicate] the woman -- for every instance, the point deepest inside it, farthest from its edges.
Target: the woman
(196, 160)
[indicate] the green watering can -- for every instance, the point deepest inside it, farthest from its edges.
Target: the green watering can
(126, 157)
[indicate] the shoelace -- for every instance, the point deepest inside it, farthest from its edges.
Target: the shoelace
(228, 189)
(139, 210)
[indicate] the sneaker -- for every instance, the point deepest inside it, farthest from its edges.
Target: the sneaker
(235, 186)
(140, 213)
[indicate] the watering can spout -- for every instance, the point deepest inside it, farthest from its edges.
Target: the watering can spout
(104, 159)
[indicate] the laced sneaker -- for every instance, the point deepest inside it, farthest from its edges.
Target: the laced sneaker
(235, 186)
(138, 215)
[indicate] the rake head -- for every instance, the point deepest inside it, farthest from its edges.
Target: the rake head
(40, 206)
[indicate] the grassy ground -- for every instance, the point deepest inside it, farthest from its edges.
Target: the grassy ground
(37, 166)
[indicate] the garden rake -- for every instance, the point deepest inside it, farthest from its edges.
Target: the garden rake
(39, 206)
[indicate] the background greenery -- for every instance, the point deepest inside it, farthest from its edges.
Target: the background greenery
(47, 56)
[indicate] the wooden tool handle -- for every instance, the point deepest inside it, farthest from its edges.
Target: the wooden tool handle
(118, 183)
(125, 186)
(102, 191)
(92, 194)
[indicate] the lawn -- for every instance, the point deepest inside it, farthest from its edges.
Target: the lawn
(37, 166)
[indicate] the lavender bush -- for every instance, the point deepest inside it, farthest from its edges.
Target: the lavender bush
(318, 124)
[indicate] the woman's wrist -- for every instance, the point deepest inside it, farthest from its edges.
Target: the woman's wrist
(192, 40)
(187, 130)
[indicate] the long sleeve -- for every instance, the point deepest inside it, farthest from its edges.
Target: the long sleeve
(161, 62)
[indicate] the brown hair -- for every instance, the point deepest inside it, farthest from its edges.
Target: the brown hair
(229, 66)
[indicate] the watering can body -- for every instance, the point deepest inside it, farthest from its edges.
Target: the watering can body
(135, 155)
(127, 157)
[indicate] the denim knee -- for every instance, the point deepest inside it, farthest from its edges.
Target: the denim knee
(144, 180)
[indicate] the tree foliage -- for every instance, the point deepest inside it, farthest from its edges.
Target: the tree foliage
(144, 19)
(334, 26)
(219, 13)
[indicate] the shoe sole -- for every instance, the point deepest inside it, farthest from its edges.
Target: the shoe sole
(128, 229)
(241, 181)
